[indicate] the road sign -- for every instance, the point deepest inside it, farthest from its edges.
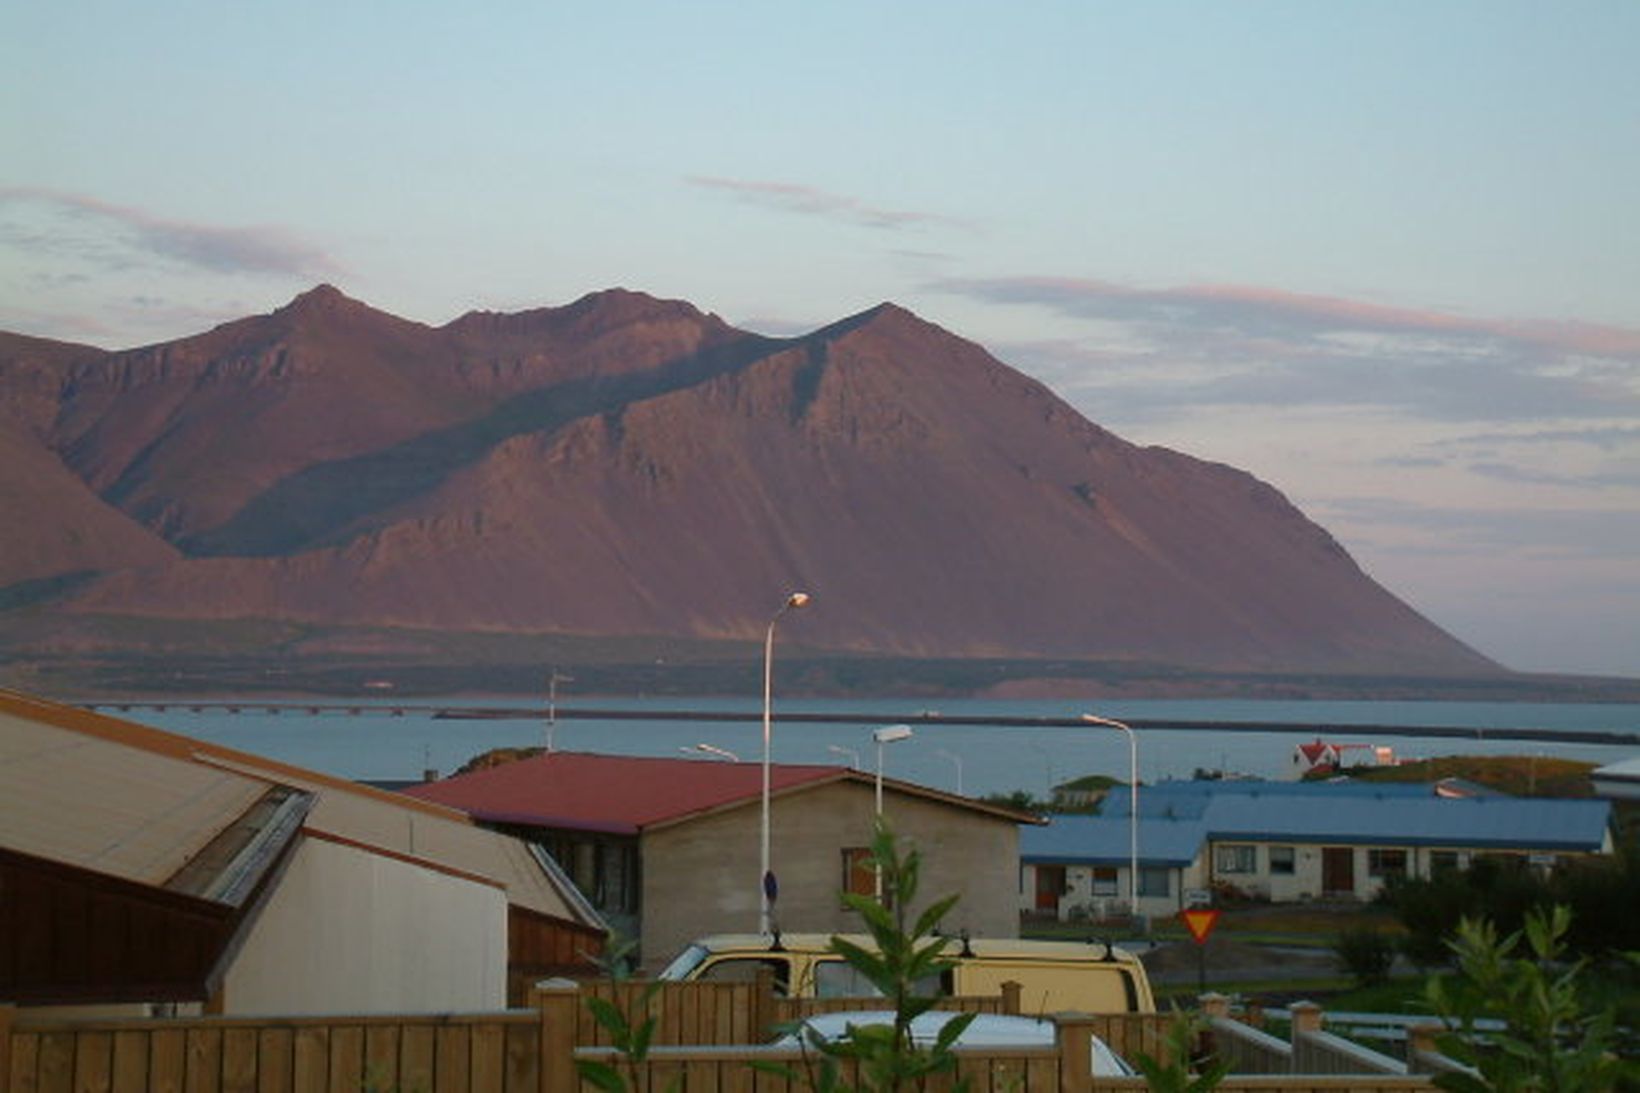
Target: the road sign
(1200, 923)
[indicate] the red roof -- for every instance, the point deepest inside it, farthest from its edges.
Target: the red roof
(614, 793)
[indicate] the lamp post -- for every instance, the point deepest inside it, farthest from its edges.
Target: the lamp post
(553, 680)
(853, 756)
(713, 749)
(1133, 806)
(765, 879)
(957, 759)
(888, 734)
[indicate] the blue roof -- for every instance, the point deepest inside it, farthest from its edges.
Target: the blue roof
(1107, 840)
(1175, 821)
(1516, 823)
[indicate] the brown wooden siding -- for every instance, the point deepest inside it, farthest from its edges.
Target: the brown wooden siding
(71, 935)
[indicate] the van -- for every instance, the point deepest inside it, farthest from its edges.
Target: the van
(1054, 976)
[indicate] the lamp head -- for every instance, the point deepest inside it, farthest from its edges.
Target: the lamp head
(888, 734)
(798, 599)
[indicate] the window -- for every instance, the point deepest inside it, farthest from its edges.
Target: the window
(1236, 859)
(741, 969)
(859, 877)
(1104, 880)
(1282, 860)
(1443, 861)
(1155, 881)
(1386, 863)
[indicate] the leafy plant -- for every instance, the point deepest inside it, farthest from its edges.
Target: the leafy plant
(1183, 1068)
(1548, 1043)
(629, 1035)
(1365, 954)
(904, 952)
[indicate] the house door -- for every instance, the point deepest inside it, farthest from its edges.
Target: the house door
(1050, 885)
(1337, 870)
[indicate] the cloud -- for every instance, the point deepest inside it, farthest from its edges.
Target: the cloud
(1160, 352)
(123, 236)
(1250, 311)
(809, 201)
(1568, 533)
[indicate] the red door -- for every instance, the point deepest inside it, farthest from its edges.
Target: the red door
(1050, 885)
(1338, 870)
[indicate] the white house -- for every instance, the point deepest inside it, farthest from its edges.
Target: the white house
(1286, 842)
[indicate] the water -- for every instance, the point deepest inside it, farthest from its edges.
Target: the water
(982, 758)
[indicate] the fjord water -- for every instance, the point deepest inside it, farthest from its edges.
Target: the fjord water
(399, 739)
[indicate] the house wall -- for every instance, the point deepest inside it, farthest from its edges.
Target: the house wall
(352, 931)
(1080, 897)
(701, 877)
(1308, 879)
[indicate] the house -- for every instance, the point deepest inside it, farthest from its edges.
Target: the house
(144, 871)
(1325, 756)
(669, 849)
(1284, 842)
(1618, 781)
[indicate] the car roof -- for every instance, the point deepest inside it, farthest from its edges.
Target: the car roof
(1000, 948)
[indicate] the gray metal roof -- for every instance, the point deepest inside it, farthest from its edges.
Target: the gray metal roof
(99, 805)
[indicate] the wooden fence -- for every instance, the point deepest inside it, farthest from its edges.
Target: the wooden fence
(707, 1034)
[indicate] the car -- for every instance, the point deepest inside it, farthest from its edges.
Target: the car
(987, 1030)
(1054, 976)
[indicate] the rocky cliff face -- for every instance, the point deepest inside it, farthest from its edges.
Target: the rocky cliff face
(632, 466)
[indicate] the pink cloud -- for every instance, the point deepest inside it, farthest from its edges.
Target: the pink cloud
(1252, 308)
(255, 249)
(797, 198)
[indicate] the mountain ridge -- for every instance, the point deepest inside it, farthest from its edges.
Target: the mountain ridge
(629, 465)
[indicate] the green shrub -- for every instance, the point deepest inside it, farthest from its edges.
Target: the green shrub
(1364, 954)
(1550, 1041)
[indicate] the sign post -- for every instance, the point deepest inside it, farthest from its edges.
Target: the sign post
(1200, 922)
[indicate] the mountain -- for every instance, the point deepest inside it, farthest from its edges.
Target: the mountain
(628, 466)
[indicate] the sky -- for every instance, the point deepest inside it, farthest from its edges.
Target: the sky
(1385, 256)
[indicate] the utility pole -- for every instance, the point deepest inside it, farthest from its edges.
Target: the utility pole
(553, 680)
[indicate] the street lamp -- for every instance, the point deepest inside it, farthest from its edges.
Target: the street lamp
(712, 749)
(957, 759)
(1133, 806)
(888, 734)
(853, 756)
(765, 880)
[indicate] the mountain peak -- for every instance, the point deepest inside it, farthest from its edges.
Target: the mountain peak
(323, 299)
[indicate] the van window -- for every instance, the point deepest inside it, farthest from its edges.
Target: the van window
(840, 979)
(744, 969)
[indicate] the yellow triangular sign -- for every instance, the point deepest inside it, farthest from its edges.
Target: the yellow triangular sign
(1199, 923)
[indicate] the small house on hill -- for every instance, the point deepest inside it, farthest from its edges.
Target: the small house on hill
(1283, 841)
(668, 849)
(144, 871)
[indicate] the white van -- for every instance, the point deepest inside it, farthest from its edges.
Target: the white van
(1054, 976)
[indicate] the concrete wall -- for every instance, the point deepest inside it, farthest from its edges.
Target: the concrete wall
(701, 877)
(350, 931)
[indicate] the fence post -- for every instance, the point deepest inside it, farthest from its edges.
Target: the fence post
(1215, 1005)
(556, 1002)
(1307, 1018)
(1011, 992)
(8, 1014)
(1073, 1037)
(1421, 1042)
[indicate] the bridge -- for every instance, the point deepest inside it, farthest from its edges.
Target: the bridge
(928, 717)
